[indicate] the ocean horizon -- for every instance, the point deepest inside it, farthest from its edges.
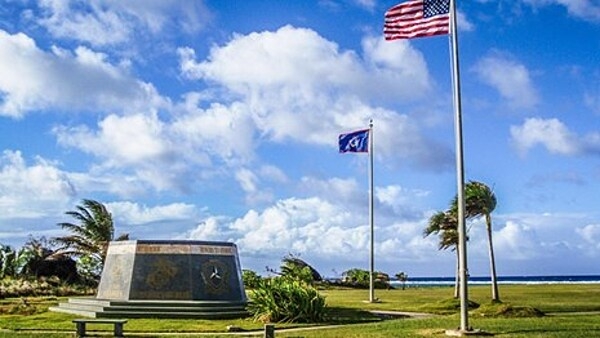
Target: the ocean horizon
(483, 280)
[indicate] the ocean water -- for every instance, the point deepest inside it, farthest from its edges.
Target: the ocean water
(449, 281)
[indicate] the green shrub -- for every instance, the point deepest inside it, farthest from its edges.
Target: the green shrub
(284, 299)
(251, 279)
(52, 286)
(359, 278)
(498, 309)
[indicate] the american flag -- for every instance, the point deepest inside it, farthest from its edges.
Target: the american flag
(417, 18)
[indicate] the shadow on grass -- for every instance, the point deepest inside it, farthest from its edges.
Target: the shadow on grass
(340, 315)
(583, 332)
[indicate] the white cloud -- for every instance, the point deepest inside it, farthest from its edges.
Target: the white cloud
(31, 191)
(145, 151)
(285, 99)
(367, 4)
(555, 136)
(134, 214)
(110, 22)
(84, 80)
(463, 23)
(590, 234)
(516, 241)
(585, 9)
(510, 78)
(137, 143)
(276, 56)
(249, 183)
(132, 139)
(330, 229)
(226, 132)
(592, 101)
(295, 225)
(550, 133)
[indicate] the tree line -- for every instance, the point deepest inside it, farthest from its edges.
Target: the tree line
(77, 257)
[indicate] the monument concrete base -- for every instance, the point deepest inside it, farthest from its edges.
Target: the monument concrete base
(166, 279)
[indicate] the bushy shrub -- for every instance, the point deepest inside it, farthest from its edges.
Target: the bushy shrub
(360, 278)
(250, 278)
(52, 286)
(283, 299)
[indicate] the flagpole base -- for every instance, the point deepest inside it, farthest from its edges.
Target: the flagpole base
(375, 300)
(468, 332)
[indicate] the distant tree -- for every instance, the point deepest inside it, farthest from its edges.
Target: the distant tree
(89, 236)
(445, 225)
(480, 201)
(41, 260)
(12, 261)
(362, 278)
(356, 276)
(402, 277)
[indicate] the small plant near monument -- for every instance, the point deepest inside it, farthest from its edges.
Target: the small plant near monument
(251, 279)
(284, 299)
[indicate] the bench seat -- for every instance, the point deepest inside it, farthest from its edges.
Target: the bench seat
(117, 324)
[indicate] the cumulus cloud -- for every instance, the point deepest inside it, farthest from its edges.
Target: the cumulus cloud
(276, 56)
(367, 4)
(329, 231)
(249, 183)
(33, 197)
(110, 22)
(35, 190)
(129, 143)
(510, 78)
(590, 234)
(555, 136)
(309, 225)
(84, 80)
(287, 100)
(332, 227)
(584, 9)
(550, 133)
(135, 214)
(463, 22)
(516, 241)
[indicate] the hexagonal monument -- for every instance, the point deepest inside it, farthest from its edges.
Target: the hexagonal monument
(167, 279)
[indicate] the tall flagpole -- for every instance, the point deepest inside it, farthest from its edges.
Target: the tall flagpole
(460, 176)
(371, 218)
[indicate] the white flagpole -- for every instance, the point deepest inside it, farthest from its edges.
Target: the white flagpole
(371, 218)
(460, 176)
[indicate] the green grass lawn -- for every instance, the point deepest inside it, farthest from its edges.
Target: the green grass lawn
(565, 307)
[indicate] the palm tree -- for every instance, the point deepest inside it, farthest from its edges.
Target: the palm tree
(481, 201)
(90, 236)
(444, 224)
(11, 262)
(402, 277)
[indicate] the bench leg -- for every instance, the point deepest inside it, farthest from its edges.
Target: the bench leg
(80, 329)
(118, 329)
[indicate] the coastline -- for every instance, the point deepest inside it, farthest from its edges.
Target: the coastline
(485, 280)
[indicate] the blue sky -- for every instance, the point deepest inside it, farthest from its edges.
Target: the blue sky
(218, 120)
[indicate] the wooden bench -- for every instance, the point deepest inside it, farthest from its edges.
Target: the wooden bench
(118, 325)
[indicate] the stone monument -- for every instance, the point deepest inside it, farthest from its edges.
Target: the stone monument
(166, 279)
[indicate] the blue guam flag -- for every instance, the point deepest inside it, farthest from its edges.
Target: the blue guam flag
(354, 142)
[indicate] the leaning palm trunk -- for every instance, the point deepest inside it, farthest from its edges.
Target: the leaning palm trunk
(495, 295)
(457, 278)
